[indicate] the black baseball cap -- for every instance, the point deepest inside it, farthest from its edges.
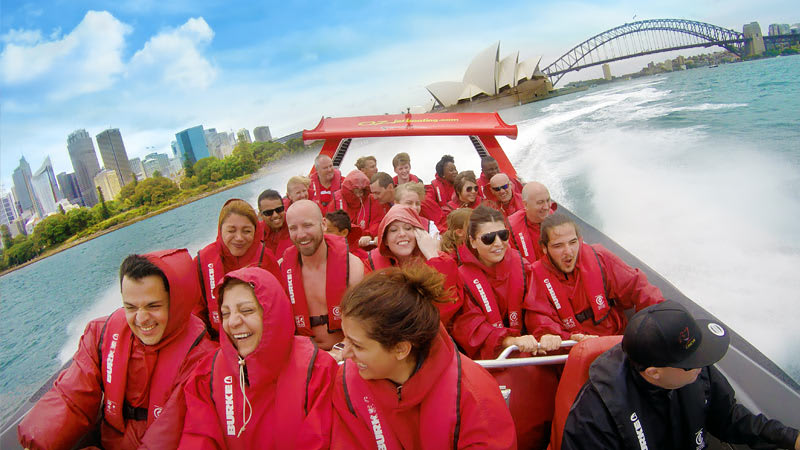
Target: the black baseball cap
(666, 335)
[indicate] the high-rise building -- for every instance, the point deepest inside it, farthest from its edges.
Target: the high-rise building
(192, 144)
(68, 184)
(213, 143)
(156, 161)
(84, 161)
(108, 182)
(23, 187)
(46, 189)
(137, 168)
(262, 134)
(174, 146)
(112, 151)
(8, 210)
(243, 135)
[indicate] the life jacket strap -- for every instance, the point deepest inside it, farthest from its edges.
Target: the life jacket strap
(318, 320)
(131, 413)
(588, 313)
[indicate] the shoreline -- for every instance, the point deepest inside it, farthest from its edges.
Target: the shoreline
(68, 245)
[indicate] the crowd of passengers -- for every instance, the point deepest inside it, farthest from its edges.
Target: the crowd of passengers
(347, 314)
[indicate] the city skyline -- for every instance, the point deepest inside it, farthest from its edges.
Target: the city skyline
(152, 70)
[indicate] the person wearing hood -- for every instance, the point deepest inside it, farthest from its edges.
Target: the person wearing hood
(580, 290)
(466, 193)
(264, 387)
(236, 246)
(325, 181)
(133, 364)
(355, 199)
(403, 383)
(495, 280)
(402, 241)
(442, 189)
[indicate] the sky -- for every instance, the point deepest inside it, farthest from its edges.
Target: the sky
(153, 68)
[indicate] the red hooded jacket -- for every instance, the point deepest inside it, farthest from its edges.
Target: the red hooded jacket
(449, 402)
(442, 191)
(364, 212)
(624, 286)
(490, 313)
(68, 412)
(276, 241)
(413, 179)
(324, 196)
(214, 261)
(383, 257)
(287, 384)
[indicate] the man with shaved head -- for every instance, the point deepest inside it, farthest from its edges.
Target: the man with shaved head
(316, 272)
(508, 202)
(525, 224)
(325, 181)
(490, 168)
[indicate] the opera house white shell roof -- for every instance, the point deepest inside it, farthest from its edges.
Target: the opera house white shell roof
(486, 75)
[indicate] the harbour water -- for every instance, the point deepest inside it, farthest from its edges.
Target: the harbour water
(696, 172)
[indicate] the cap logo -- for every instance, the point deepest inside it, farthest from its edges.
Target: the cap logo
(716, 329)
(685, 339)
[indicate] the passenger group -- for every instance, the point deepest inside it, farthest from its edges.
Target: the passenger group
(403, 285)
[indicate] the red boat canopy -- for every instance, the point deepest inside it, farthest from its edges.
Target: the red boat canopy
(480, 127)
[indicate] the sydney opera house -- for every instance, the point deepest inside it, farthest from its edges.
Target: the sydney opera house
(491, 83)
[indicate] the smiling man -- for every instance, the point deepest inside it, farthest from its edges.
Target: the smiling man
(316, 272)
(580, 290)
(659, 388)
(272, 214)
(133, 363)
(507, 200)
(526, 224)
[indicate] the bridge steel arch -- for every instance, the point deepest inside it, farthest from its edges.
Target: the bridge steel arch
(689, 34)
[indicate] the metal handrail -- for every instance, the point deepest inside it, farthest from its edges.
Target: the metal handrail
(503, 362)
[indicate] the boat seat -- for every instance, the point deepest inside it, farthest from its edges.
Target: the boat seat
(576, 372)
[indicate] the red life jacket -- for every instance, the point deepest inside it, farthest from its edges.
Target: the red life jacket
(480, 290)
(211, 270)
(592, 286)
(525, 236)
(115, 348)
(337, 275)
(411, 177)
(322, 195)
(443, 190)
(276, 241)
(291, 393)
(439, 416)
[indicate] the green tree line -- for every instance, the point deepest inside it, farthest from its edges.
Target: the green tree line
(141, 197)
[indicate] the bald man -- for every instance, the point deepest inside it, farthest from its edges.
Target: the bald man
(324, 182)
(525, 224)
(507, 200)
(316, 272)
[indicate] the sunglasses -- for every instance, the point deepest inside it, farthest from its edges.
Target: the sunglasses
(471, 188)
(268, 212)
(488, 238)
(500, 188)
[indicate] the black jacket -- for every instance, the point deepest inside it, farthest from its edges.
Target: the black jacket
(618, 409)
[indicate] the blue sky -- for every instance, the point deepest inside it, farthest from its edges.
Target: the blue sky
(152, 68)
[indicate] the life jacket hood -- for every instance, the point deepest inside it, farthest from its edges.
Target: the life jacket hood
(403, 214)
(184, 289)
(355, 180)
(231, 262)
(265, 363)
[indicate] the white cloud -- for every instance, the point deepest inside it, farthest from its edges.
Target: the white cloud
(88, 59)
(174, 57)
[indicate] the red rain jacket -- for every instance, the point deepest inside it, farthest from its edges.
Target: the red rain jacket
(485, 189)
(413, 179)
(487, 319)
(442, 191)
(324, 196)
(288, 384)
(68, 411)
(628, 287)
(214, 261)
(449, 402)
(276, 241)
(365, 212)
(383, 257)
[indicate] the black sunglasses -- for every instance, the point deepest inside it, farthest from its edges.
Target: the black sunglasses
(500, 188)
(488, 238)
(268, 212)
(471, 188)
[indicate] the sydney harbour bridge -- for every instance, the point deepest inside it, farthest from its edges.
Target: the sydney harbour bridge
(646, 37)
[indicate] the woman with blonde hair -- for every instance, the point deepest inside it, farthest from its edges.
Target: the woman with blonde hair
(236, 246)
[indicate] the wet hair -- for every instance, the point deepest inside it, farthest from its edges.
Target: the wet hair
(396, 305)
(417, 188)
(298, 179)
(462, 178)
(480, 215)
(443, 162)
(361, 163)
(269, 194)
(340, 219)
(383, 179)
(400, 159)
(238, 206)
(455, 221)
(553, 221)
(137, 267)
